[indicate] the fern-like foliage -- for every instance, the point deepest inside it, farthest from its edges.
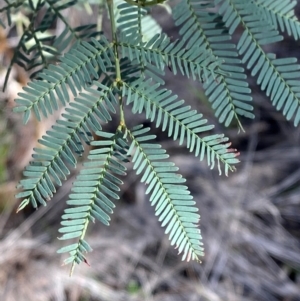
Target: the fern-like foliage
(230, 94)
(281, 15)
(180, 122)
(161, 52)
(279, 77)
(77, 68)
(173, 203)
(81, 119)
(106, 74)
(93, 190)
(132, 20)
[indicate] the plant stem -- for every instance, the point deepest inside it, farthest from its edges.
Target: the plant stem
(118, 80)
(110, 4)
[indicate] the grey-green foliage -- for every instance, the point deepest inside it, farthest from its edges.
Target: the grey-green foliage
(106, 73)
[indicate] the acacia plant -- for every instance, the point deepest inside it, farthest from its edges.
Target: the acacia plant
(125, 68)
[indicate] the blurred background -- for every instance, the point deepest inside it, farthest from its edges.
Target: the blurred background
(250, 221)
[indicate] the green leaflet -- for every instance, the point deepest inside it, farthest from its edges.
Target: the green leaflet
(160, 52)
(279, 78)
(181, 123)
(160, 180)
(76, 71)
(228, 92)
(64, 141)
(131, 29)
(280, 14)
(127, 15)
(90, 199)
